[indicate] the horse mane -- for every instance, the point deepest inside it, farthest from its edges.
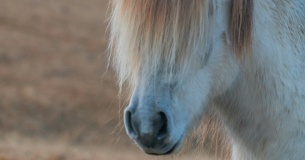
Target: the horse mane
(152, 31)
(241, 19)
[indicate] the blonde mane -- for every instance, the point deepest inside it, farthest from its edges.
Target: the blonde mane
(152, 31)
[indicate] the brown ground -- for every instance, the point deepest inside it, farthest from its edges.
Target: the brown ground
(57, 101)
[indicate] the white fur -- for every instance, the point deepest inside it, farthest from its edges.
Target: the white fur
(260, 97)
(269, 96)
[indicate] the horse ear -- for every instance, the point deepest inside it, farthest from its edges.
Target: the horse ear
(241, 23)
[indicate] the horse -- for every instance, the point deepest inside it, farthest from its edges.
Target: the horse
(242, 59)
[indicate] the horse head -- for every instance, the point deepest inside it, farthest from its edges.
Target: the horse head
(175, 55)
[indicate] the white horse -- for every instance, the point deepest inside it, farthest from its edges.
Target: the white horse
(243, 59)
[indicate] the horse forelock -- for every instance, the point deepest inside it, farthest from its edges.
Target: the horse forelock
(166, 33)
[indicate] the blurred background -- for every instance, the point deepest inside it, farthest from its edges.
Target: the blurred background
(57, 99)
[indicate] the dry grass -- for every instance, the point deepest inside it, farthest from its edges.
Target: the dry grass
(20, 148)
(52, 56)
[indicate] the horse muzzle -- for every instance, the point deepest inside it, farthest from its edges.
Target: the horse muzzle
(150, 129)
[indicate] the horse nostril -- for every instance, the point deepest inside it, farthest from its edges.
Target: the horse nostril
(130, 128)
(162, 127)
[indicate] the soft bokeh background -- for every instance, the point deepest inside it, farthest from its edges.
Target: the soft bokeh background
(57, 100)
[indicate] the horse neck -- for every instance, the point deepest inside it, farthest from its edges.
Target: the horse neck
(264, 109)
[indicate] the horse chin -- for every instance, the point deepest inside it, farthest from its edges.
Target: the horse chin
(167, 149)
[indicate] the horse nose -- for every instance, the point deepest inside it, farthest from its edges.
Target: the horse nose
(147, 129)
